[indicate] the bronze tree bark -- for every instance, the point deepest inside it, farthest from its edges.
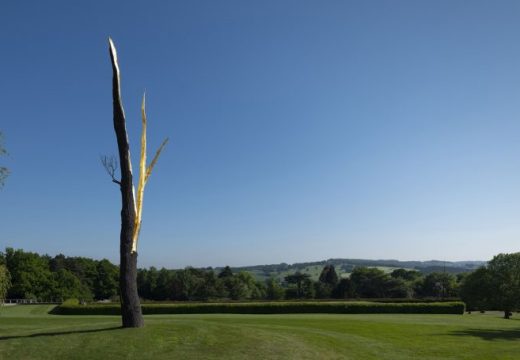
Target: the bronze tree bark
(130, 305)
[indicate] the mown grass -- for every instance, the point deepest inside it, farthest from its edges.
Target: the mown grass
(28, 332)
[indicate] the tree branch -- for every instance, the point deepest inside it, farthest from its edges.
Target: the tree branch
(110, 165)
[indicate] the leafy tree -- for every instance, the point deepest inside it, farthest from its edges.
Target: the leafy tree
(147, 282)
(106, 281)
(476, 289)
(437, 284)
(398, 288)
(226, 272)
(344, 289)
(369, 282)
(84, 268)
(329, 276)
(256, 289)
(375, 283)
(164, 288)
(504, 271)
(304, 287)
(404, 282)
(30, 275)
(58, 278)
(241, 285)
(209, 286)
(327, 282)
(68, 286)
(407, 275)
(193, 284)
(273, 289)
(5, 281)
(244, 286)
(322, 290)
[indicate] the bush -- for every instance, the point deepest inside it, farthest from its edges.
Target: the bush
(70, 302)
(273, 308)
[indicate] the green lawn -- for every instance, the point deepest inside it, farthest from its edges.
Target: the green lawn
(27, 332)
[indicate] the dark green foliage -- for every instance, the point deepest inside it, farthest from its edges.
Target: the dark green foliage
(375, 283)
(496, 286)
(164, 286)
(302, 286)
(328, 281)
(67, 285)
(476, 289)
(437, 284)
(60, 277)
(504, 273)
(347, 265)
(5, 281)
(328, 276)
(368, 282)
(147, 282)
(84, 268)
(106, 281)
(226, 272)
(273, 290)
(197, 284)
(407, 275)
(71, 302)
(344, 289)
(322, 290)
(44, 278)
(274, 308)
(31, 277)
(243, 286)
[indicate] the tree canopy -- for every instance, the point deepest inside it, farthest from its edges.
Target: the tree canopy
(5, 281)
(504, 271)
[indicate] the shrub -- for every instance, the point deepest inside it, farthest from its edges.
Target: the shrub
(273, 308)
(70, 302)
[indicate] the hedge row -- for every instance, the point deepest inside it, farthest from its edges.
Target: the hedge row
(357, 300)
(273, 308)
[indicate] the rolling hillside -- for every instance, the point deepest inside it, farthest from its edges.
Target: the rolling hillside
(345, 266)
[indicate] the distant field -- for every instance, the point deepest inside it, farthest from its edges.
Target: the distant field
(313, 270)
(345, 266)
(28, 332)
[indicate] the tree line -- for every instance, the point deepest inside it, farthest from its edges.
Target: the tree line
(42, 277)
(29, 275)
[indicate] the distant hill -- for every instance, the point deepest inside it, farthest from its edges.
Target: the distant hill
(345, 266)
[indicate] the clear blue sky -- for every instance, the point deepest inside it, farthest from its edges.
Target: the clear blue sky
(300, 130)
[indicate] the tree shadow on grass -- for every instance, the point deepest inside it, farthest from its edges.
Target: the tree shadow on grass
(511, 334)
(58, 333)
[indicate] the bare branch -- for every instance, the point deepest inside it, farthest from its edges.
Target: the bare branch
(155, 158)
(4, 172)
(110, 165)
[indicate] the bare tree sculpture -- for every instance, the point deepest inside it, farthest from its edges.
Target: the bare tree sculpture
(132, 208)
(4, 172)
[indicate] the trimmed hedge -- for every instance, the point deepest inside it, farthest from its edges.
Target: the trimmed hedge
(356, 300)
(273, 308)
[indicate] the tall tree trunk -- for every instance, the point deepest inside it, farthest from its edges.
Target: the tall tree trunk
(130, 304)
